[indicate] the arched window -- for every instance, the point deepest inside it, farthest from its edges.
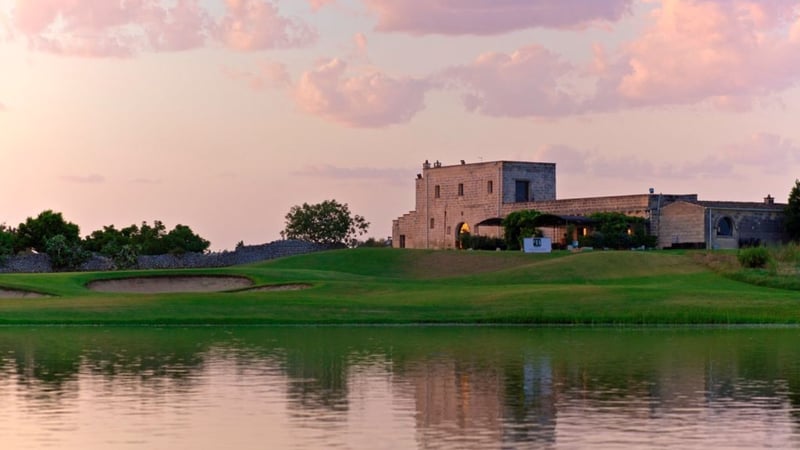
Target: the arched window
(725, 227)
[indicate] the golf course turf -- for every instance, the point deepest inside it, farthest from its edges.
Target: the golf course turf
(389, 286)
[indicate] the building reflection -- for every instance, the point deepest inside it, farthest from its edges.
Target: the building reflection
(496, 388)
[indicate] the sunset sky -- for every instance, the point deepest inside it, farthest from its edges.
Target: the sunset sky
(222, 114)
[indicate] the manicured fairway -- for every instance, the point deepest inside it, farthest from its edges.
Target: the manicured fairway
(386, 286)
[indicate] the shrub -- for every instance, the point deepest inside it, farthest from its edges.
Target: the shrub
(64, 254)
(486, 243)
(518, 225)
(754, 257)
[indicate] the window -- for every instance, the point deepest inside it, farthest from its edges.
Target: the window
(437, 192)
(490, 187)
(522, 189)
(725, 227)
(431, 222)
(460, 189)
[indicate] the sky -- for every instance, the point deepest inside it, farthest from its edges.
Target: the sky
(223, 114)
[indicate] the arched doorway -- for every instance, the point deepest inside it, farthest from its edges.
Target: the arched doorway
(462, 234)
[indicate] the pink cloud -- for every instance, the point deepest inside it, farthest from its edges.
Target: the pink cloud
(181, 27)
(266, 74)
(3, 107)
(482, 17)
(765, 152)
(573, 161)
(360, 42)
(529, 82)
(371, 99)
(722, 53)
(725, 52)
(316, 5)
(773, 153)
(257, 25)
(101, 28)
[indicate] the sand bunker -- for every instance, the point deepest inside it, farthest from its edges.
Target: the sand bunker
(279, 287)
(160, 285)
(15, 293)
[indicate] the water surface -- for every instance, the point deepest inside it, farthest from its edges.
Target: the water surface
(398, 387)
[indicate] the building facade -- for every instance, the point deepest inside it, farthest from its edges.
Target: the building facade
(476, 197)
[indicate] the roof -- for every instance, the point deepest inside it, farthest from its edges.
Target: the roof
(741, 205)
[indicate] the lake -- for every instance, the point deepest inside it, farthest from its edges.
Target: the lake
(398, 387)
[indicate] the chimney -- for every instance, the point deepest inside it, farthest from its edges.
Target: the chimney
(768, 200)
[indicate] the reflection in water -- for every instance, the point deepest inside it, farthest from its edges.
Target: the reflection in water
(398, 387)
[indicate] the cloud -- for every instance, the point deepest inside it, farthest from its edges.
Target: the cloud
(772, 153)
(532, 81)
(3, 107)
(181, 27)
(360, 42)
(595, 163)
(370, 99)
(484, 17)
(765, 152)
(316, 5)
(257, 25)
(390, 175)
(102, 28)
(723, 52)
(726, 54)
(84, 179)
(266, 74)
(108, 28)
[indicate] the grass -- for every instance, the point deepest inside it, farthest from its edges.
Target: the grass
(386, 286)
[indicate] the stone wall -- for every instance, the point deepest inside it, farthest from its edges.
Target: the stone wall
(682, 223)
(541, 176)
(242, 255)
(447, 197)
(750, 226)
(480, 195)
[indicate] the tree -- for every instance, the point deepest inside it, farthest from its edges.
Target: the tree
(792, 213)
(329, 222)
(182, 239)
(520, 224)
(125, 244)
(65, 254)
(6, 241)
(34, 232)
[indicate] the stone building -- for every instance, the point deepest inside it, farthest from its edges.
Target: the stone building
(476, 197)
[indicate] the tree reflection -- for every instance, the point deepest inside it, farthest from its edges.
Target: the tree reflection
(492, 386)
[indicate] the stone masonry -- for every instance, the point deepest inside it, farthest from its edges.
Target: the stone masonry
(476, 197)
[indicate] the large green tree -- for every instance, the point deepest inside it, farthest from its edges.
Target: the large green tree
(36, 231)
(329, 222)
(145, 239)
(792, 218)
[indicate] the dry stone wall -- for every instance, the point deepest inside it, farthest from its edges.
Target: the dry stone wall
(242, 255)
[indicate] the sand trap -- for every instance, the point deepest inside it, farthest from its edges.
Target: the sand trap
(15, 293)
(279, 287)
(166, 284)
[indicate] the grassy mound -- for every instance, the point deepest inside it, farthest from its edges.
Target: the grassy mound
(415, 286)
